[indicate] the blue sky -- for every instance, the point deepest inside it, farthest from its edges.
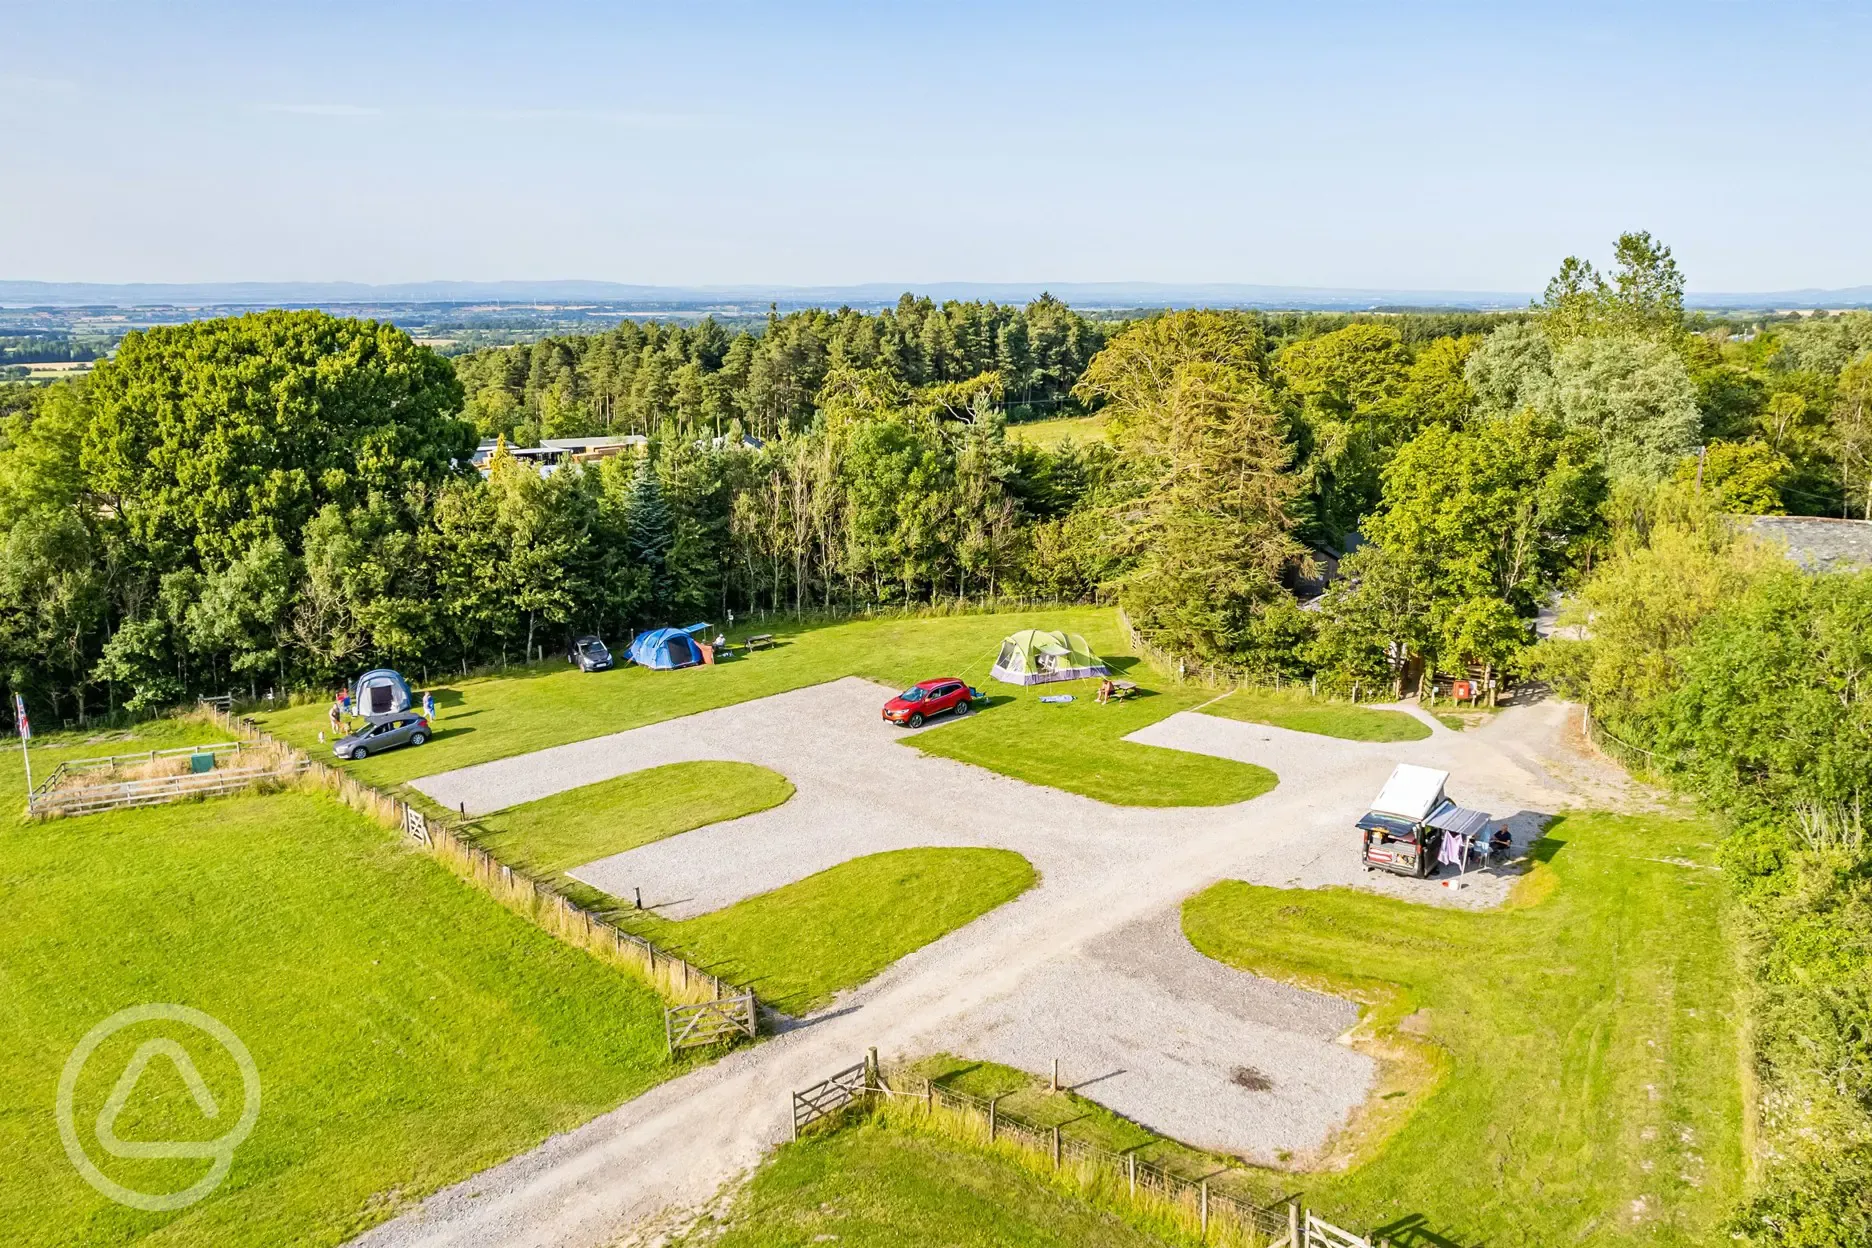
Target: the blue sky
(1435, 146)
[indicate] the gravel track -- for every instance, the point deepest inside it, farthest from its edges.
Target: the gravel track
(1089, 966)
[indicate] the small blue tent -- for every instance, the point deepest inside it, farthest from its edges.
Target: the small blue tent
(664, 649)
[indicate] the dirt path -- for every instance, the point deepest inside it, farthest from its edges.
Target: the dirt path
(1100, 928)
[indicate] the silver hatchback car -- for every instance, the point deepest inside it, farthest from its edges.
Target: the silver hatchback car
(383, 732)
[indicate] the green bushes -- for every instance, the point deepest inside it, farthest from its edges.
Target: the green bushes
(1749, 681)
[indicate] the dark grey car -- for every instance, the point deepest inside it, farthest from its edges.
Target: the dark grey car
(591, 655)
(383, 732)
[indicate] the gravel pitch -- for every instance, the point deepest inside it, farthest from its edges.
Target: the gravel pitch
(1089, 966)
(1163, 1035)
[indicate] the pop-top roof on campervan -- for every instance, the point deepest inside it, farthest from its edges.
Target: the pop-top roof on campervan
(1411, 793)
(1415, 794)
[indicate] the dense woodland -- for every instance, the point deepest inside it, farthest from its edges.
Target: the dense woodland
(281, 499)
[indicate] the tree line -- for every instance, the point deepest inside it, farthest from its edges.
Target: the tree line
(702, 379)
(278, 499)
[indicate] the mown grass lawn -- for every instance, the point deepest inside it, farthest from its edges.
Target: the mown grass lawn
(1078, 746)
(555, 834)
(1048, 434)
(878, 1185)
(408, 1031)
(1301, 713)
(550, 704)
(1585, 1037)
(801, 944)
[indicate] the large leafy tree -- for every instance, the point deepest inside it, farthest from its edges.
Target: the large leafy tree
(1201, 432)
(207, 437)
(1477, 526)
(1349, 384)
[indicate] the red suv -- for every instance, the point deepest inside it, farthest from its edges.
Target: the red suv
(927, 698)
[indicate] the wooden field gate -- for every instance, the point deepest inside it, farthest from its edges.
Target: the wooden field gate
(828, 1096)
(1323, 1234)
(693, 1026)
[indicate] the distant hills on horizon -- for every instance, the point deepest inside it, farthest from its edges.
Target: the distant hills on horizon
(868, 295)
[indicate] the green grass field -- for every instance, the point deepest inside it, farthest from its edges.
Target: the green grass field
(1301, 713)
(800, 945)
(879, 1185)
(1048, 434)
(582, 825)
(1076, 748)
(407, 1031)
(1581, 1045)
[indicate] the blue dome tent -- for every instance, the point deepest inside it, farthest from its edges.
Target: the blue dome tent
(381, 691)
(664, 649)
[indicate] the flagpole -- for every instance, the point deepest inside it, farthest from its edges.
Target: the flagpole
(25, 730)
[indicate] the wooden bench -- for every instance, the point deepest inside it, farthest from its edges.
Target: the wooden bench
(758, 640)
(1123, 689)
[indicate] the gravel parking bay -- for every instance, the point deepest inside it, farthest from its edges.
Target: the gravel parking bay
(1089, 967)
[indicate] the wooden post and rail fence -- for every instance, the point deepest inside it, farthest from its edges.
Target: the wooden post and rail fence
(1214, 1213)
(88, 786)
(705, 1009)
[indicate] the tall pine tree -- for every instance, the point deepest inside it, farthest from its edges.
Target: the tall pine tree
(649, 533)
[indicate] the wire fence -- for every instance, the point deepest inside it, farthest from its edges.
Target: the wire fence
(1632, 757)
(1193, 1204)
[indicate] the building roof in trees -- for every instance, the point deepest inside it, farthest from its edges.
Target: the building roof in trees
(1818, 543)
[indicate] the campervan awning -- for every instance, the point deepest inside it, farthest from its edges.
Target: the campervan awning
(1453, 819)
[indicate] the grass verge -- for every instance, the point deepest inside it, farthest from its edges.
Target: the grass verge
(803, 943)
(1079, 746)
(1029, 1099)
(407, 1031)
(551, 836)
(1580, 1045)
(884, 1183)
(1302, 713)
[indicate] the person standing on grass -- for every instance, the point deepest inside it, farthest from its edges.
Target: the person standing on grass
(334, 715)
(429, 706)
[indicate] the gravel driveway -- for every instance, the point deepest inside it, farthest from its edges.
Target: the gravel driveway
(1089, 966)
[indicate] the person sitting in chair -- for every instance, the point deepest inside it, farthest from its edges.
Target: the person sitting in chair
(1501, 844)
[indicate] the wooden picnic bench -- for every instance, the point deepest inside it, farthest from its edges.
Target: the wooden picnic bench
(758, 640)
(1123, 689)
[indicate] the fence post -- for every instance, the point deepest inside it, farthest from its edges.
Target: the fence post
(871, 1070)
(1293, 1224)
(1204, 1214)
(1055, 1086)
(1056, 1148)
(929, 1097)
(1131, 1172)
(992, 1124)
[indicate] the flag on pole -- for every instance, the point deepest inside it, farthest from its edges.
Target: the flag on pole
(20, 721)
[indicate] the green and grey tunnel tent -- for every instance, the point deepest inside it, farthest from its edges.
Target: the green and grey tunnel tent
(1036, 657)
